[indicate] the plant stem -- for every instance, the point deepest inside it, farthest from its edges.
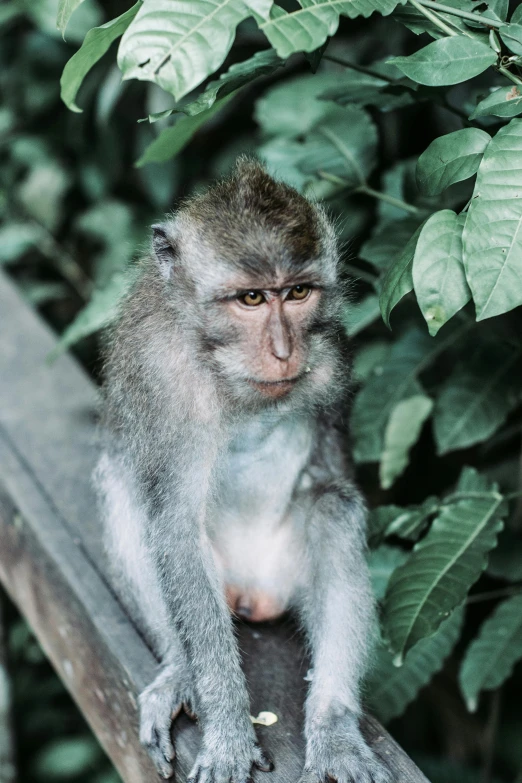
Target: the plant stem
(359, 68)
(433, 18)
(447, 9)
(396, 202)
(511, 76)
(368, 191)
(513, 495)
(333, 178)
(504, 592)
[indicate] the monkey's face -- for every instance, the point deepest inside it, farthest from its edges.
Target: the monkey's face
(266, 343)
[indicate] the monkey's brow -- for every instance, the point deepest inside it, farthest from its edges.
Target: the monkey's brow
(229, 294)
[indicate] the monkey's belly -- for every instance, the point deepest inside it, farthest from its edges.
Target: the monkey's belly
(259, 568)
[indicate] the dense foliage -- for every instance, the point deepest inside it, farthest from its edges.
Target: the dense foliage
(408, 125)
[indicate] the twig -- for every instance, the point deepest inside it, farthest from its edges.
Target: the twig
(433, 17)
(359, 68)
(396, 202)
(503, 592)
(511, 76)
(447, 9)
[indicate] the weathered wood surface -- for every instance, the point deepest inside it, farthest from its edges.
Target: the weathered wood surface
(52, 564)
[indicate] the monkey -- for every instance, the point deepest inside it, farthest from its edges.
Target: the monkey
(225, 480)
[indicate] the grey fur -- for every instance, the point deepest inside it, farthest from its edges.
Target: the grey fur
(196, 467)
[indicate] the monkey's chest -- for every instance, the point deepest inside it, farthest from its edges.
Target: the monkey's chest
(257, 524)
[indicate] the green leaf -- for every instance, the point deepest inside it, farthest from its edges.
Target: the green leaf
(292, 108)
(65, 11)
(343, 143)
(492, 237)
(398, 280)
(438, 272)
(506, 102)
(477, 397)
(359, 315)
(96, 43)
(447, 61)
(450, 158)
(402, 432)
(382, 562)
(282, 157)
(16, 239)
(176, 44)
(516, 16)
(238, 75)
(511, 35)
(367, 90)
(390, 689)
(260, 7)
(387, 385)
(174, 139)
(407, 523)
(444, 564)
(68, 757)
(43, 191)
(99, 312)
(418, 23)
(308, 28)
(388, 241)
(491, 657)
(368, 358)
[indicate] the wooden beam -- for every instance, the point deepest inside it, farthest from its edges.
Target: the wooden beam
(53, 565)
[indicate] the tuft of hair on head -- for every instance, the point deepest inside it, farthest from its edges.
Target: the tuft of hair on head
(251, 221)
(252, 211)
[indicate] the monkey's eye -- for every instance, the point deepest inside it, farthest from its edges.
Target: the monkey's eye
(252, 298)
(299, 292)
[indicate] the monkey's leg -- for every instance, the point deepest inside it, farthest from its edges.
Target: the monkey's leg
(197, 608)
(338, 614)
(139, 590)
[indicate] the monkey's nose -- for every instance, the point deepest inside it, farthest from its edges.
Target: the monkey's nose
(245, 612)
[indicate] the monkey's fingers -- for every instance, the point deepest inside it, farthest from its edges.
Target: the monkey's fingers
(157, 740)
(158, 754)
(262, 760)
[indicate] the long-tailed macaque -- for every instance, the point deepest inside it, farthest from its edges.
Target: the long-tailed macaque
(224, 479)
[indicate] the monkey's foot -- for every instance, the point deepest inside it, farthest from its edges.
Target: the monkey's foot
(225, 760)
(160, 704)
(337, 751)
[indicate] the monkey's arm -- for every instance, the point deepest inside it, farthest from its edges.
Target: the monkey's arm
(338, 613)
(197, 612)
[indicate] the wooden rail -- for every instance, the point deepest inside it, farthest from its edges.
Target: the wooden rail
(53, 567)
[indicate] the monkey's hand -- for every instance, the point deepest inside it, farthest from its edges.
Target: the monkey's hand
(227, 756)
(160, 704)
(337, 751)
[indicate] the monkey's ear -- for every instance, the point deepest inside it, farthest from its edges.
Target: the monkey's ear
(164, 249)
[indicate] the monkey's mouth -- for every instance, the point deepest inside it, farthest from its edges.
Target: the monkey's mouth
(275, 388)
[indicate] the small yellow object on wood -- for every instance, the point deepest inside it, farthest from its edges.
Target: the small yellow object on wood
(265, 718)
